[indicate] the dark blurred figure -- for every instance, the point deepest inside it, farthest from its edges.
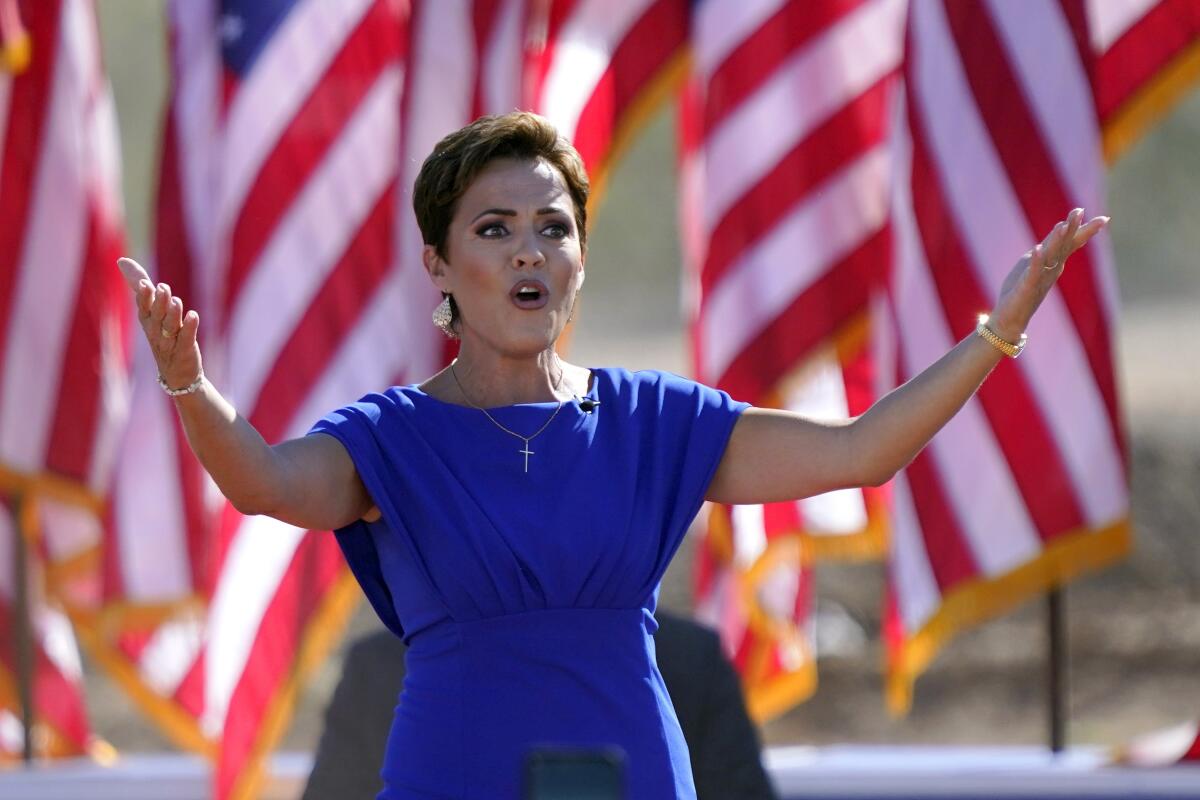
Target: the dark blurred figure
(722, 741)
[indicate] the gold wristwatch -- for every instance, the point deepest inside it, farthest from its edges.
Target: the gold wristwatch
(1010, 349)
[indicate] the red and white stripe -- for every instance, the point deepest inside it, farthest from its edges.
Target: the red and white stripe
(792, 145)
(596, 61)
(61, 329)
(501, 34)
(989, 153)
(63, 356)
(785, 192)
(1133, 42)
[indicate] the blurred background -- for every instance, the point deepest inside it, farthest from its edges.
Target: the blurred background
(1133, 630)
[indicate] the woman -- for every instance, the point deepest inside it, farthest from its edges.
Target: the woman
(512, 515)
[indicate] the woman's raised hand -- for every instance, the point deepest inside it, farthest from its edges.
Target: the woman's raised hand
(170, 332)
(1030, 280)
(309, 482)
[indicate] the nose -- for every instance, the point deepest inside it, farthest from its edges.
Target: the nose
(529, 251)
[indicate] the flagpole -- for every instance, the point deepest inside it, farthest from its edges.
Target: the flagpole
(15, 53)
(1057, 674)
(22, 626)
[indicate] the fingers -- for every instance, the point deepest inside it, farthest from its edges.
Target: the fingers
(133, 272)
(153, 302)
(138, 279)
(1052, 245)
(144, 296)
(1067, 244)
(1037, 271)
(1074, 220)
(162, 316)
(173, 320)
(1068, 236)
(1088, 230)
(187, 333)
(170, 332)
(160, 304)
(1048, 245)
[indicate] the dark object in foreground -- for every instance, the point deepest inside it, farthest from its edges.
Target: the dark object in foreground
(572, 774)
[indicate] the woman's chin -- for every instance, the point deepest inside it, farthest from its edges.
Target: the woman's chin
(532, 345)
(526, 340)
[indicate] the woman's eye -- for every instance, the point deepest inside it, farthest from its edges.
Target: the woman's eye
(492, 230)
(556, 230)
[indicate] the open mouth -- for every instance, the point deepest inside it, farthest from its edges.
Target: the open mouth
(530, 294)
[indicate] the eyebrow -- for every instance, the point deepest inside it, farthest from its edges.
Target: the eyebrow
(509, 212)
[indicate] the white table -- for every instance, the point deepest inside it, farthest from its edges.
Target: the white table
(801, 773)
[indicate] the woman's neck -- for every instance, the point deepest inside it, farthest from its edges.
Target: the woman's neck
(499, 381)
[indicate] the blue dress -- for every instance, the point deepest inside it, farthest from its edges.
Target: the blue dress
(526, 599)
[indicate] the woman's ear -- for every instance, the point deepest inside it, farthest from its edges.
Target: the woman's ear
(435, 265)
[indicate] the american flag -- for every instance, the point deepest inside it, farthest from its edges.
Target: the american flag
(1027, 487)
(784, 189)
(63, 358)
(773, 324)
(279, 204)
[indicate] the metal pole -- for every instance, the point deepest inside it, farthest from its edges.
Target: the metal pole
(22, 627)
(1057, 663)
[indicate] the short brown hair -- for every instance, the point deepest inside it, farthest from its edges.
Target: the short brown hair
(457, 159)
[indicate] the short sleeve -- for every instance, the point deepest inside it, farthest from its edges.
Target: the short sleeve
(701, 420)
(356, 426)
(691, 425)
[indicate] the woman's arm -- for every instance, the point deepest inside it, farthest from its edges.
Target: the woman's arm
(310, 482)
(780, 455)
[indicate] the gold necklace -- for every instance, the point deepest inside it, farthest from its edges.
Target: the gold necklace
(526, 439)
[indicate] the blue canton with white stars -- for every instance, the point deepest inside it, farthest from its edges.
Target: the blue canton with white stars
(245, 26)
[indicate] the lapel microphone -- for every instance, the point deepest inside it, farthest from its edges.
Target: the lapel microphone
(587, 405)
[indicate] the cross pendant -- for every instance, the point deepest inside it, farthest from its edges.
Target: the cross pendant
(527, 453)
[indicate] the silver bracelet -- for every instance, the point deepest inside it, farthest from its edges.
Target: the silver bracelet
(191, 388)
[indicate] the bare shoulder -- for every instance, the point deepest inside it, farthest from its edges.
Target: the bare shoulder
(578, 379)
(440, 386)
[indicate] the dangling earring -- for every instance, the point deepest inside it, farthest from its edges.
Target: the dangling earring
(443, 318)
